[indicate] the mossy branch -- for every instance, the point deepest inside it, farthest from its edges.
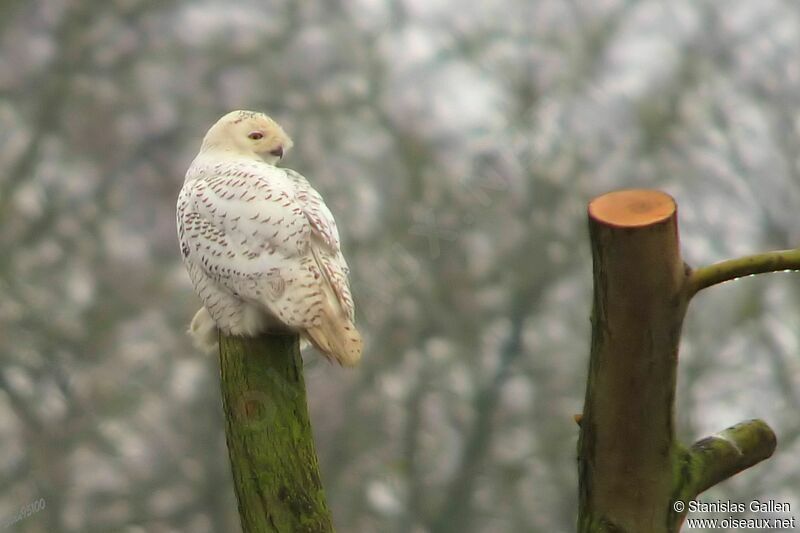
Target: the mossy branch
(270, 443)
(777, 261)
(718, 457)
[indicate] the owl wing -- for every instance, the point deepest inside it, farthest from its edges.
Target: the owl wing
(315, 210)
(334, 333)
(328, 254)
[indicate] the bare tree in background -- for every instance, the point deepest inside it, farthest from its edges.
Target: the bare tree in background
(457, 146)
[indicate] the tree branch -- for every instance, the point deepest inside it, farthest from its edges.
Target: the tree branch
(718, 457)
(731, 269)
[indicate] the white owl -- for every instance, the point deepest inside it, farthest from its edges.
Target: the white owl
(261, 247)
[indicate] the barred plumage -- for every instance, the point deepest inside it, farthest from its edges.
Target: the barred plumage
(260, 245)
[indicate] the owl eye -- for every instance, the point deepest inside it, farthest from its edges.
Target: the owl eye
(255, 135)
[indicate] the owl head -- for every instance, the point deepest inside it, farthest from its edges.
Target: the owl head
(248, 133)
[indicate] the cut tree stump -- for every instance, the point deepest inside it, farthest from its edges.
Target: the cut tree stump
(632, 469)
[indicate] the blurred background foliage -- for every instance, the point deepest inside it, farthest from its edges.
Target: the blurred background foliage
(457, 143)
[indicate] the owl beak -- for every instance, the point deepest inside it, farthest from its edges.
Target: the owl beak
(277, 152)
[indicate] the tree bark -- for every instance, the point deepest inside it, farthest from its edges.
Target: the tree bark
(270, 443)
(631, 467)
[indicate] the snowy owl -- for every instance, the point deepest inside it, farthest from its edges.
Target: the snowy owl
(260, 245)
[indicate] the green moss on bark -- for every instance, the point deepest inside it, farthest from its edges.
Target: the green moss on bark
(270, 443)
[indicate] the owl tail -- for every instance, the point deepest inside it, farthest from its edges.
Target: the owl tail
(338, 340)
(336, 336)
